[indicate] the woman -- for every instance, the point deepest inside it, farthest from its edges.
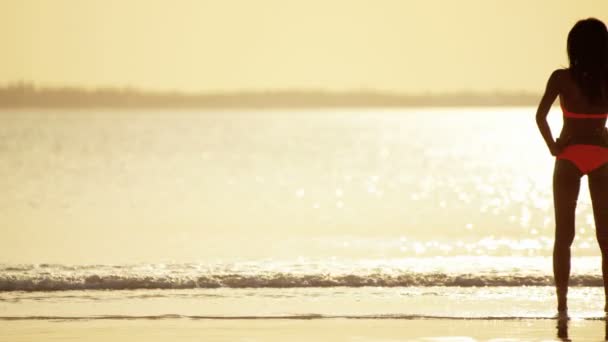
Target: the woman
(582, 146)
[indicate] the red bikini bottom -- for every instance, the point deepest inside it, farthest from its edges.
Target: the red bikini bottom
(586, 157)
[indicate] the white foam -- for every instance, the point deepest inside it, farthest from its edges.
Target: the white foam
(462, 272)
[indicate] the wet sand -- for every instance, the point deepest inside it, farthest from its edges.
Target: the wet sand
(299, 330)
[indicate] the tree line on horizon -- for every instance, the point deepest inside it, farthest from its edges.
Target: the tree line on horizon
(21, 95)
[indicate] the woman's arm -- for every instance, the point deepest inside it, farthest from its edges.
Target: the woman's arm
(547, 100)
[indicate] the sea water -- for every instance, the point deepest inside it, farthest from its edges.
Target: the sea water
(400, 213)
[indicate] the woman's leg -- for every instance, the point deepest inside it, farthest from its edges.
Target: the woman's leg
(598, 188)
(566, 185)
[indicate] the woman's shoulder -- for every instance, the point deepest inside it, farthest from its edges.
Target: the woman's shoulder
(563, 81)
(561, 75)
(558, 81)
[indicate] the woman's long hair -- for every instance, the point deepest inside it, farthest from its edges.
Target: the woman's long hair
(588, 55)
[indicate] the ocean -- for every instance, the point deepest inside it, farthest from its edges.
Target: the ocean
(428, 213)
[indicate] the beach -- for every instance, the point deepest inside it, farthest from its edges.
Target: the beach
(318, 171)
(299, 330)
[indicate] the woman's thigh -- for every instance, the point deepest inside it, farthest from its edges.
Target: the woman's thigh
(598, 189)
(566, 185)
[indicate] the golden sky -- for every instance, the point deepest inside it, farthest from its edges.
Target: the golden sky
(204, 45)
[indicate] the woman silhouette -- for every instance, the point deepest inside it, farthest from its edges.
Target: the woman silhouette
(582, 146)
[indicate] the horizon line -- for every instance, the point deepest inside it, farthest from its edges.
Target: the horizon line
(359, 90)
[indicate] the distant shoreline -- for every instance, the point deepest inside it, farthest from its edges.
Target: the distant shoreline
(29, 96)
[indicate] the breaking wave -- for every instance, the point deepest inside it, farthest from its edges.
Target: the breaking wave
(273, 280)
(446, 272)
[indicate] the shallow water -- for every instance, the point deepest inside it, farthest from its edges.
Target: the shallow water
(414, 302)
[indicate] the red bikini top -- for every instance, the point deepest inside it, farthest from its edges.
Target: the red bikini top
(581, 115)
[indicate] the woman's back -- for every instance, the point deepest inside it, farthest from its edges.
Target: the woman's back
(574, 100)
(587, 130)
